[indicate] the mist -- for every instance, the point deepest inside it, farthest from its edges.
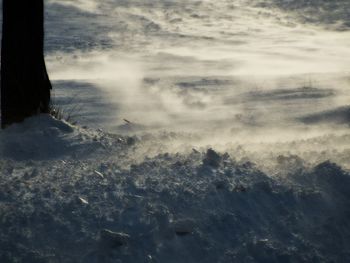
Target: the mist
(184, 131)
(256, 74)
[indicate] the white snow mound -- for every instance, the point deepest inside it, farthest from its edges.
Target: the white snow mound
(68, 194)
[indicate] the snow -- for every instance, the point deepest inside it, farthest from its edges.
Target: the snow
(179, 65)
(71, 194)
(199, 131)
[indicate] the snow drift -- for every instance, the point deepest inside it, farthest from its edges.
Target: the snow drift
(207, 132)
(70, 194)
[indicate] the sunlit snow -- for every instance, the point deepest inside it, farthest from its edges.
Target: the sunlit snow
(199, 131)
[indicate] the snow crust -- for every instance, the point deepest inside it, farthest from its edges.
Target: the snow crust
(70, 194)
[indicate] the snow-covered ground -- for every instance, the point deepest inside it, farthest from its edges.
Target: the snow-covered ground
(206, 131)
(71, 194)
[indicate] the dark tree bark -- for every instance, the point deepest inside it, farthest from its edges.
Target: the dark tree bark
(25, 85)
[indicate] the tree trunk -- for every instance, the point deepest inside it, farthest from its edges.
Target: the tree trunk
(25, 85)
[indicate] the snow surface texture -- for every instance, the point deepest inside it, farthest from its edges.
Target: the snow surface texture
(74, 195)
(201, 65)
(207, 131)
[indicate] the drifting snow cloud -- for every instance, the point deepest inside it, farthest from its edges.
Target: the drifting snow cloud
(196, 67)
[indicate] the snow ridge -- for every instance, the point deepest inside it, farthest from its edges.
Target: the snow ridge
(86, 200)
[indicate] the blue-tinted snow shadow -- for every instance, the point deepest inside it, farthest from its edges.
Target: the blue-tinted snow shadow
(340, 115)
(287, 94)
(68, 28)
(84, 103)
(282, 105)
(328, 13)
